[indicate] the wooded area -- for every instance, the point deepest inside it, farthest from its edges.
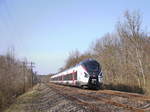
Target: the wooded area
(124, 55)
(16, 77)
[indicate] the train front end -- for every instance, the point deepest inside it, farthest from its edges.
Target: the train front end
(94, 72)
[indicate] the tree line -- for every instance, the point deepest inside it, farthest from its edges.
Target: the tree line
(124, 55)
(16, 77)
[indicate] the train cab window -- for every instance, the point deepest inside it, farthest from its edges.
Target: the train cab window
(92, 66)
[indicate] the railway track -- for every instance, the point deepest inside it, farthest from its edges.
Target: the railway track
(58, 98)
(105, 100)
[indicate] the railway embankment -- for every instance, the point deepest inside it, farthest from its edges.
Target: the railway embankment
(43, 99)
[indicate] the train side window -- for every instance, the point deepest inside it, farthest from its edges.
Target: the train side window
(70, 76)
(65, 77)
(60, 78)
(54, 79)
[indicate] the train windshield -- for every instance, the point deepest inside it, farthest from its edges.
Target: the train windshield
(92, 66)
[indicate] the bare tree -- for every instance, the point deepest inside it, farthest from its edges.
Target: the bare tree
(132, 35)
(12, 75)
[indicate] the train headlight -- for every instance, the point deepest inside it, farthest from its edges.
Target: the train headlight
(86, 75)
(100, 74)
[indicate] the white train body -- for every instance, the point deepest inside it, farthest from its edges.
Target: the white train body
(81, 75)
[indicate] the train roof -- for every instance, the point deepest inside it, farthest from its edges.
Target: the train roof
(82, 62)
(87, 60)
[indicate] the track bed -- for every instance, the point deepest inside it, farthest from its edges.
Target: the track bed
(49, 97)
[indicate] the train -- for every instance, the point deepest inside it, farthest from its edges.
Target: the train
(87, 74)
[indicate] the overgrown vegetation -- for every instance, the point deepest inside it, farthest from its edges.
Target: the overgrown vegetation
(15, 79)
(124, 55)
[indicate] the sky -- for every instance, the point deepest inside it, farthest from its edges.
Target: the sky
(45, 31)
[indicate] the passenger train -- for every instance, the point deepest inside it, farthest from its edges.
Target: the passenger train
(87, 73)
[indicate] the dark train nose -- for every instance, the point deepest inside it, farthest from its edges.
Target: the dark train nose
(93, 76)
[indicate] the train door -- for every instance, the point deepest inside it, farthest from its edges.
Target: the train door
(74, 77)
